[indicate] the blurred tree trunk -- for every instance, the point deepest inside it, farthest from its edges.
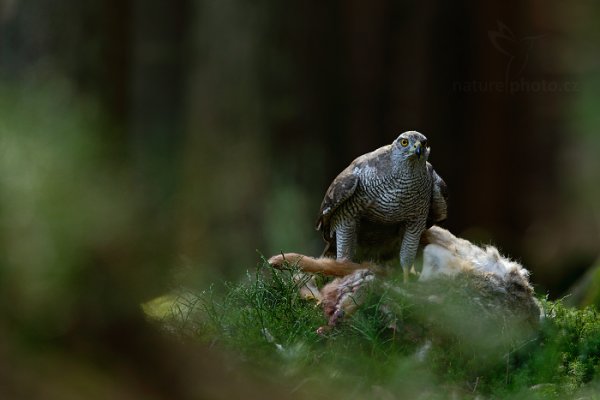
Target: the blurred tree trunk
(224, 163)
(159, 54)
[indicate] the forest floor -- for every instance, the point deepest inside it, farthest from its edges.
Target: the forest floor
(393, 346)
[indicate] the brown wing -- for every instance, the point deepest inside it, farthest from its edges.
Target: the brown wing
(343, 187)
(340, 190)
(438, 208)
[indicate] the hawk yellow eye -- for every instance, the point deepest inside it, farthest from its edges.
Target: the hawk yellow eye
(404, 142)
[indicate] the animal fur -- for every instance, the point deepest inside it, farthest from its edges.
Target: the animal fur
(445, 256)
(322, 265)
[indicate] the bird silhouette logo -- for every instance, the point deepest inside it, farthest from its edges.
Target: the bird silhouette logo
(516, 49)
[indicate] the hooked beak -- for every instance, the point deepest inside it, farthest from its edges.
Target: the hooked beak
(418, 149)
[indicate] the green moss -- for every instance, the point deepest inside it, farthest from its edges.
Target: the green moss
(401, 342)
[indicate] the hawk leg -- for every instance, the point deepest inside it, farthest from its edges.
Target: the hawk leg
(345, 239)
(410, 244)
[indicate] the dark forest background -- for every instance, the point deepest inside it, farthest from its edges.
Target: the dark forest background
(145, 145)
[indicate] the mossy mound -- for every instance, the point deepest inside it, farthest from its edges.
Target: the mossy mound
(456, 337)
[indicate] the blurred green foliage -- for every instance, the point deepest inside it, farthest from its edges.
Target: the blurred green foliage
(395, 344)
(62, 198)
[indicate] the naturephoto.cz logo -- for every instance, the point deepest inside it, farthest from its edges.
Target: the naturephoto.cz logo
(517, 52)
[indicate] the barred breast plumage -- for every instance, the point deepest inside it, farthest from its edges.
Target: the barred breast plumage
(382, 202)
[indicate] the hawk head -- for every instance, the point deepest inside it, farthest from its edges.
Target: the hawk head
(411, 145)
